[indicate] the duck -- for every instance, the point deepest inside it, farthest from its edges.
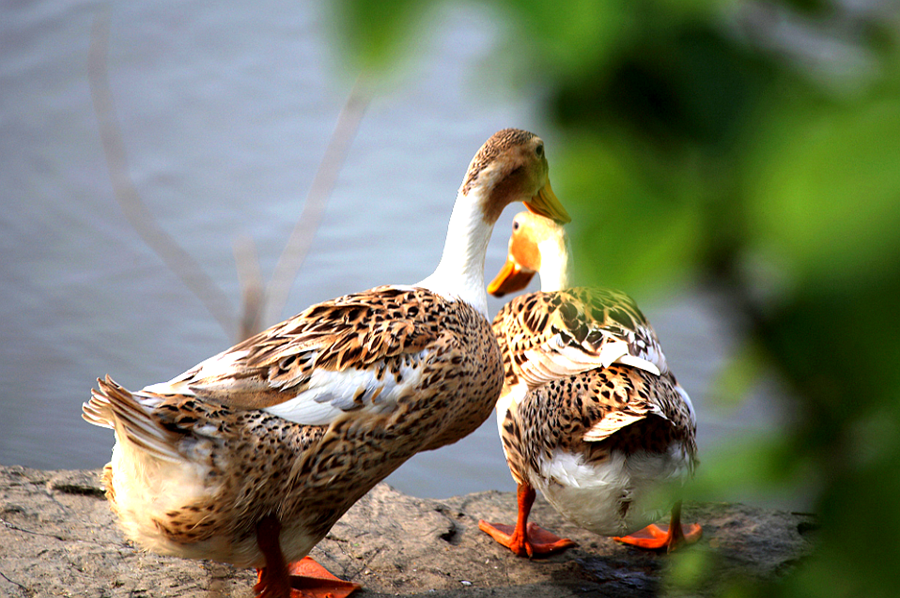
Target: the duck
(590, 414)
(251, 456)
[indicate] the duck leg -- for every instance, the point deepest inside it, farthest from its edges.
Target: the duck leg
(525, 539)
(302, 579)
(657, 537)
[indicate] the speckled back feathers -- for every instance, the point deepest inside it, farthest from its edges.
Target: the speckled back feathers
(590, 410)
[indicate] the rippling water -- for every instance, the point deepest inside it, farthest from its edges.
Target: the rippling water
(225, 111)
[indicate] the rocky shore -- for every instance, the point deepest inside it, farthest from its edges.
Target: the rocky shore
(58, 538)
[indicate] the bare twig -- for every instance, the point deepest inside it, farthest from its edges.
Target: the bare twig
(252, 291)
(143, 221)
(255, 300)
(301, 237)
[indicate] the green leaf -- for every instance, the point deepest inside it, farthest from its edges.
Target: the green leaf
(376, 34)
(630, 231)
(824, 191)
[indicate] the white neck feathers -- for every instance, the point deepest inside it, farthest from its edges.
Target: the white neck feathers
(556, 267)
(460, 273)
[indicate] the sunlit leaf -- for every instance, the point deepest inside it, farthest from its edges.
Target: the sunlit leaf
(567, 38)
(376, 34)
(824, 193)
(760, 466)
(689, 568)
(628, 232)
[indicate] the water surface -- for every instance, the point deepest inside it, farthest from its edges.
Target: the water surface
(225, 111)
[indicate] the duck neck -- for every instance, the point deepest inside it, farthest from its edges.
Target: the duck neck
(460, 273)
(556, 267)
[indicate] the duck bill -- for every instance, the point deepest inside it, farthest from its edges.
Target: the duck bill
(510, 279)
(546, 204)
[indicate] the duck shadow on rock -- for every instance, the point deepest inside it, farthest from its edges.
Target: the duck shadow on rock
(408, 545)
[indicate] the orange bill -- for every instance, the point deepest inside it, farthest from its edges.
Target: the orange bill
(510, 279)
(546, 204)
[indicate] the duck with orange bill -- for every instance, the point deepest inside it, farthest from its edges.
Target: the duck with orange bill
(251, 456)
(590, 413)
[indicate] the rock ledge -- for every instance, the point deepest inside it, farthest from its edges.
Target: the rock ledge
(59, 538)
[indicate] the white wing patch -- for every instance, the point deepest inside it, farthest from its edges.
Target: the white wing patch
(330, 394)
(615, 421)
(557, 359)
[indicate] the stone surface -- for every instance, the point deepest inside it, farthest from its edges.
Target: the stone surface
(59, 538)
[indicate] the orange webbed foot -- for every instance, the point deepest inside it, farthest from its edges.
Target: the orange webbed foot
(300, 579)
(314, 581)
(308, 579)
(535, 542)
(658, 537)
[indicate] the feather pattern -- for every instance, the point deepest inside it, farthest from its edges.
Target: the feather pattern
(299, 421)
(289, 393)
(590, 413)
(356, 352)
(548, 335)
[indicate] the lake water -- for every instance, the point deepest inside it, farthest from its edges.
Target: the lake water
(225, 111)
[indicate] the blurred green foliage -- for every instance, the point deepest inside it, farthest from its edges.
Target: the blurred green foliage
(755, 148)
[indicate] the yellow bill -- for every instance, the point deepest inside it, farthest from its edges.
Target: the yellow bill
(510, 279)
(546, 204)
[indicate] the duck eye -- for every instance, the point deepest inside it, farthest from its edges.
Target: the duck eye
(539, 150)
(515, 225)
